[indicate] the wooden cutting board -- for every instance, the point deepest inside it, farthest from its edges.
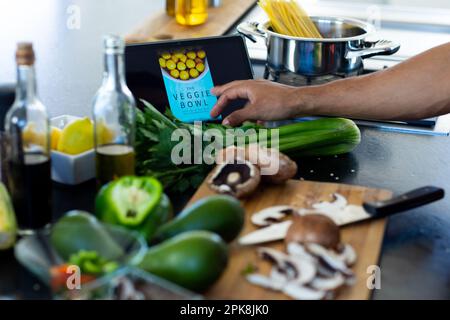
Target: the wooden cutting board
(160, 26)
(366, 237)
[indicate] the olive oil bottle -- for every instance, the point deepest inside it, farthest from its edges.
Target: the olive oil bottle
(114, 161)
(114, 117)
(170, 7)
(28, 174)
(191, 12)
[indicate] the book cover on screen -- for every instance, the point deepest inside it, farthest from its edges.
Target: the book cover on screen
(188, 81)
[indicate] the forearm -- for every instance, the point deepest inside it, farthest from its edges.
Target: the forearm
(417, 88)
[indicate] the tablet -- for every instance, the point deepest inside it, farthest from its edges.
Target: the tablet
(179, 74)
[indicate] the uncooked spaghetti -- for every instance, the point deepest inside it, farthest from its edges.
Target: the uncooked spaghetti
(289, 18)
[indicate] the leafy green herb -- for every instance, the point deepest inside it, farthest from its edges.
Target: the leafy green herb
(249, 269)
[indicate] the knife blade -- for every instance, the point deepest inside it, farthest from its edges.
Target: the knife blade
(353, 213)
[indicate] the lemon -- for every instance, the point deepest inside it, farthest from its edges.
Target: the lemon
(105, 135)
(55, 134)
(31, 136)
(77, 137)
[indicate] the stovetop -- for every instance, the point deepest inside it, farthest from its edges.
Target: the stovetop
(296, 80)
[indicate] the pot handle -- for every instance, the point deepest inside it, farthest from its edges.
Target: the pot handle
(380, 47)
(250, 30)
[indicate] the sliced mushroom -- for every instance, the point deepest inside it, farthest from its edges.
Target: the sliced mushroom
(329, 258)
(274, 232)
(299, 270)
(278, 276)
(303, 293)
(328, 284)
(339, 203)
(297, 250)
(271, 215)
(279, 259)
(264, 281)
(307, 270)
(323, 270)
(334, 210)
(237, 179)
(314, 228)
(347, 254)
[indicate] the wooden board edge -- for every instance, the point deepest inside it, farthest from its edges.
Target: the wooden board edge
(160, 27)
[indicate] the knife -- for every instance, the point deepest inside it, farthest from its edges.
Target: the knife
(352, 213)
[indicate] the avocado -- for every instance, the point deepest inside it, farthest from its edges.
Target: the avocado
(8, 225)
(194, 259)
(220, 214)
(79, 230)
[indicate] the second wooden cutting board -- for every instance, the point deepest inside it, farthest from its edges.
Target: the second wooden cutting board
(365, 237)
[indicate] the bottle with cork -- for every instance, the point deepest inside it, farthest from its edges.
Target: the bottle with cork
(28, 157)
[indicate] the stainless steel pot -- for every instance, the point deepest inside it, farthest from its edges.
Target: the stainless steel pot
(341, 50)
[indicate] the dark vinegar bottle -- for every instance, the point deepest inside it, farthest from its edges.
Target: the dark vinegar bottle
(29, 170)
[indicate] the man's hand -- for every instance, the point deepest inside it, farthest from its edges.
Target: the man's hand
(266, 101)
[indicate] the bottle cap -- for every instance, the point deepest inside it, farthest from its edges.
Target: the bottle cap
(113, 44)
(25, 54)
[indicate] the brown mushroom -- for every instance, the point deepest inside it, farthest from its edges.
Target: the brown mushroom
(236, 179)
(314, 228)
(266, 157)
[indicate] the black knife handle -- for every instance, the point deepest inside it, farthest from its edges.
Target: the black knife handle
(406, 201)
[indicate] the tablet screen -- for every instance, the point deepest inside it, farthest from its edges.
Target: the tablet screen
(180, 74)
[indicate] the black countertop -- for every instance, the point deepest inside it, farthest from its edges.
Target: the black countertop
(415, 260)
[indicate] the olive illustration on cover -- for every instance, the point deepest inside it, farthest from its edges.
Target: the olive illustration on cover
(183, 64)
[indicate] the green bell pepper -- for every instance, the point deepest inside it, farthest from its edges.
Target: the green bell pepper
(136, 203)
